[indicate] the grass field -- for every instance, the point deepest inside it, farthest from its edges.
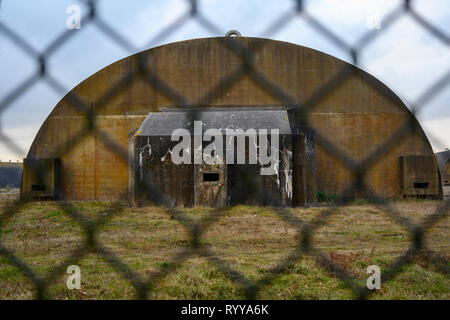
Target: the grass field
(250, 239)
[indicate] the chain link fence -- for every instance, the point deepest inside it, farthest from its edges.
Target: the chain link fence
(90, 227)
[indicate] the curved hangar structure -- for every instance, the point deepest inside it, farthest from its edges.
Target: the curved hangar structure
(357, 116)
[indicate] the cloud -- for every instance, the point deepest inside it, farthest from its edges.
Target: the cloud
(348, 18)
(407, 58)
(21, 136)
(438, 132)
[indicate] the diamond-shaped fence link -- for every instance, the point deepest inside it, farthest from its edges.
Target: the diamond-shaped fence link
(143, 286)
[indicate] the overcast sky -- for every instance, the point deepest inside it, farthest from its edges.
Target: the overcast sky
(406, 57)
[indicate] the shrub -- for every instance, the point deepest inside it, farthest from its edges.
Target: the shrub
(323, 197)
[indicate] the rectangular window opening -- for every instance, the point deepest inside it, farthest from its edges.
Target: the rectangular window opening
(37, 187)
(210, 177)
(421, 185)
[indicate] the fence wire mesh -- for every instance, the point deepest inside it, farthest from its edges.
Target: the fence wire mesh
(144, 285)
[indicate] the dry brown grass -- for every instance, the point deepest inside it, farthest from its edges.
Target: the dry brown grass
(250, 239)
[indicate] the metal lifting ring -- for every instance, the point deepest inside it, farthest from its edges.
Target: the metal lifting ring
(233, 33)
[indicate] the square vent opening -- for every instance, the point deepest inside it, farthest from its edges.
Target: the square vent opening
(421, 185)
(210, 177)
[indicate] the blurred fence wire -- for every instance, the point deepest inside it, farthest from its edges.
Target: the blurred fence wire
(90, 227)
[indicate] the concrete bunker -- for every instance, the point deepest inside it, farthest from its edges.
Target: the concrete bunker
(419, 177)
(357, 117)
(41, 179)
(252, 156)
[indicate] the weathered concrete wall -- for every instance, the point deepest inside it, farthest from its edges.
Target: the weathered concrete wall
(171, 185)
(358, 116)
(183, 185)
